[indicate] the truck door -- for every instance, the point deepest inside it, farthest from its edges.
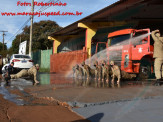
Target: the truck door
(118, 50)
(140, 44)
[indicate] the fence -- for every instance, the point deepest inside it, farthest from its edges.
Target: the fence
(63, 62)
(42, 57)
(58, 63)
(45, 58)
(36, 56)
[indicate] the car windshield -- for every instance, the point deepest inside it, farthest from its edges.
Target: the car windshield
(22, 56)
(118, 39)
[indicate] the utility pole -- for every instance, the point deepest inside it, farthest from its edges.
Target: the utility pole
(3, 37)
(31, 30)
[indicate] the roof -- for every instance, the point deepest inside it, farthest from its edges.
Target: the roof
(123, 10)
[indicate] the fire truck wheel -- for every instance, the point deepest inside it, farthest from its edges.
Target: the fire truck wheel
(145, 69)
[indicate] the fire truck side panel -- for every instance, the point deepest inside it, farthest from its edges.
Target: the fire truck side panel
(129, 56)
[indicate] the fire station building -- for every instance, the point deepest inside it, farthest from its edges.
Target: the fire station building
(75, 43)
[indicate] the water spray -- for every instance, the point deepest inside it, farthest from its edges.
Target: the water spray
(103, 55)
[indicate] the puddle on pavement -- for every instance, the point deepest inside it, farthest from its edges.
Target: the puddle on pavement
(44, 78)
(21, 82)
(11, 97)
(58, 79)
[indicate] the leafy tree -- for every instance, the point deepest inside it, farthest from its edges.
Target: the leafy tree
(3, 52)
(41, 30)
(1, 46)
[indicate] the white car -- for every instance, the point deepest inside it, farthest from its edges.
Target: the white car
(21, 61)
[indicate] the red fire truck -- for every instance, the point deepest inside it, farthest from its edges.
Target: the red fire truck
(130, 50)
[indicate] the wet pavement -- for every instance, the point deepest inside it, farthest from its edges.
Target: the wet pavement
(58, 79)
(81, 91)
(11, 97)
(87, 97)
(78, 90)
(18, 84)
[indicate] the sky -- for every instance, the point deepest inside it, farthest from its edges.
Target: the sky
(13, 24)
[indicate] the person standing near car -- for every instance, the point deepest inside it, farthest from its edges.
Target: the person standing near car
(158, 55)
(33, 71)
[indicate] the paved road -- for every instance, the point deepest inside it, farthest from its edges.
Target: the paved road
(146, 110)
(138, 110)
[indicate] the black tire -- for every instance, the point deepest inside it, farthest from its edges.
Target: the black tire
(145, 69)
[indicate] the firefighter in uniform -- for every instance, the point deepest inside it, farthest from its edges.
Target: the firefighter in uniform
(86, 70)
(158, 55)
(78, 71)
(78, 74)
(116, 73)
(105, 72)
(73, 70)
(98, 73)
(31, 72)
(98, 70)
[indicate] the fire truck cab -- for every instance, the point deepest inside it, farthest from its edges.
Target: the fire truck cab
(131, 49)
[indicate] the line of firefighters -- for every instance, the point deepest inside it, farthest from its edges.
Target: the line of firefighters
(102, 73)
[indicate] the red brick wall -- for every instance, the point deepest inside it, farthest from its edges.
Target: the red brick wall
(63, 62)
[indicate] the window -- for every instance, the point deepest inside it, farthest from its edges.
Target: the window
(93, 49)
(118, 39)
(101, 47)
(140, 38)
(22, 56)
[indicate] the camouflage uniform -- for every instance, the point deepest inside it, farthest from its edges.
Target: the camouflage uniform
(20, 74)
(33, 73)
(158, 54)
(86, 70)
(73, 70)
(98, 70)
(106, 71)
(78, 71)
(23, 73)
(128, 76)
(116, 73)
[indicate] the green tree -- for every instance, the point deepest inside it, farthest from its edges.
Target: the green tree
(41, 30)
(1, 46)
(3, 52)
